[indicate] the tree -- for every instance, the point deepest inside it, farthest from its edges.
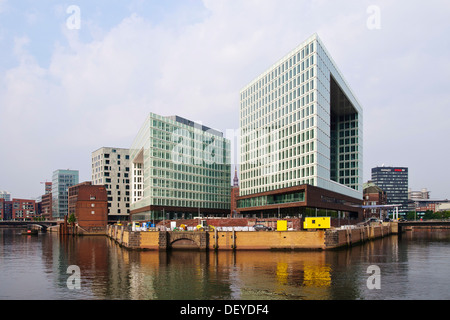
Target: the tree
(411, 215)
(72, 218)
(428, 215)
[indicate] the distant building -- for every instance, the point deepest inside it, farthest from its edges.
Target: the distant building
(89, 204)
(48, 187)
(418, 195)
(394, 181)
(2, 209)
(44, 203)
(443, 206)
(61, 181)
(5, 195)
(111, 167)
(416, 201)
(46, 206)
(17, 209)
(23, 209)
(374, 196)
(6, 209)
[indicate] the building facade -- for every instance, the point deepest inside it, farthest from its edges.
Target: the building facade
(89, 204)
(48, 187)
(374, 196)
(179, 168)
(46, 206)
(111, 168)
(23, 209)
(6, 209)
(61, 181)
(301, 125)
(44, 203)
(18, 209)
(423, 194)
(2, 209)
(394, 181)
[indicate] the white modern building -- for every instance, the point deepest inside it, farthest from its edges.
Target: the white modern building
(301, 125)
(179, 168)
(111, 168)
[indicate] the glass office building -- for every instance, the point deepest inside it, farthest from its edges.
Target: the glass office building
(61, 181)
(179, 169)
(301, 125)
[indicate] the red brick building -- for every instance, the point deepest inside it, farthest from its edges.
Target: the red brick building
(18, 209)
(46, 206)
(2, 209)
(22, 209)
(89, 203)
(374, 196)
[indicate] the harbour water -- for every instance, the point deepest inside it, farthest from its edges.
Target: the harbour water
(407, 267)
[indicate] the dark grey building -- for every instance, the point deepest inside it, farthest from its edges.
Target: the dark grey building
(394, 181)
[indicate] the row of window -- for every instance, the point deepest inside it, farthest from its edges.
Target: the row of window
(279, 110)
(271, 200)
(295, 64)
(279, 179)
(214, 204)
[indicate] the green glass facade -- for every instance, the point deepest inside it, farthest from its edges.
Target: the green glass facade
(271, 200)
(177, 165)
(61, 181)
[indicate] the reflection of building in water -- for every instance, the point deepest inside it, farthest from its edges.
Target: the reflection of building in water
(285, 275)
(282, 272)
(119, 281)
(317, 275)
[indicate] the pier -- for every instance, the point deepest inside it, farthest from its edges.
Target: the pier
(250, 240)
(431, 224)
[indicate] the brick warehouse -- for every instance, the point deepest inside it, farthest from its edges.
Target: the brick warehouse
(89, 203)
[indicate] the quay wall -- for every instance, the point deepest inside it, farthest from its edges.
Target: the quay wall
(248, 240)
(336, 238)
(271, 240)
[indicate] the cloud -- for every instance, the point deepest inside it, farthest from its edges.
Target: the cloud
(101, 82)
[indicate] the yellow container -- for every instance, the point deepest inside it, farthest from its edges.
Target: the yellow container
(317, 223)
(281, 225)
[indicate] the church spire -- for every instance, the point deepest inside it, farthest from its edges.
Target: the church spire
(235, 180)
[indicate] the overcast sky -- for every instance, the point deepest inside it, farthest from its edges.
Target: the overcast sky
(79, 75)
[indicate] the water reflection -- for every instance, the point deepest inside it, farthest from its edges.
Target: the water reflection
(36, 268)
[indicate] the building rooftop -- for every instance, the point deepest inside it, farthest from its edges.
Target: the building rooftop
(194, 125)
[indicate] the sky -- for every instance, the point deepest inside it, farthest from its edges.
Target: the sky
(79, 75)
